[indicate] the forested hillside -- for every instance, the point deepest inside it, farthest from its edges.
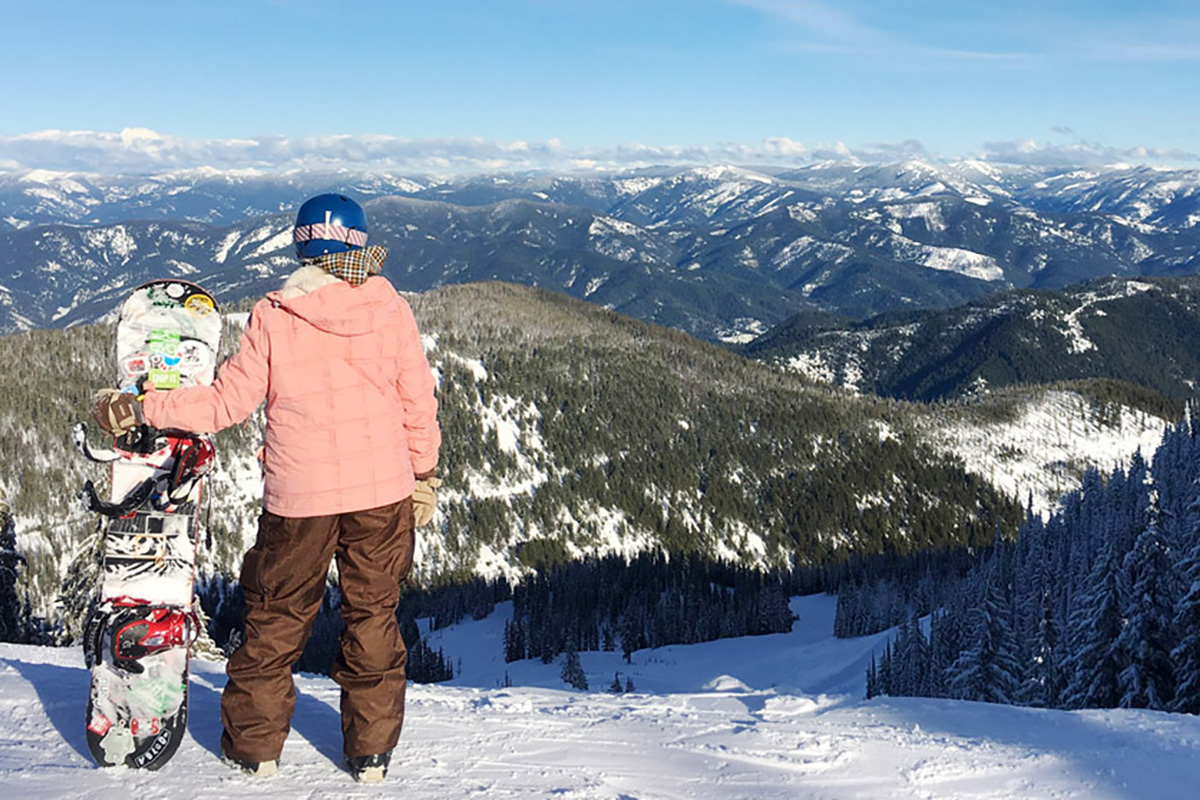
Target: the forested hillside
(1140, 331)
(569, 431)
(1097, 607)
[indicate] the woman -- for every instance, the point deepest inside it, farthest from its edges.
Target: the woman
(351, 446)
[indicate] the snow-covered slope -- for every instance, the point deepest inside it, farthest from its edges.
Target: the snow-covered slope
(1040, 453)
(766, 717)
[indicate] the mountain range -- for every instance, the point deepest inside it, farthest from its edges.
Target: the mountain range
(723, 253)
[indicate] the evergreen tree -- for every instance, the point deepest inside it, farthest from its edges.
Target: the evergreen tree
(572, 670)
(13, 620)
(1043, 682)
(987, 670)
(872, 678)
(1186, 655)
(910, 676)
(514, 641)
(1094, 664)
(1145, 641)
(615, 686)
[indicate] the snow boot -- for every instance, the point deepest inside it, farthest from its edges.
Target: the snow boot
(369, 769)
(255, 769)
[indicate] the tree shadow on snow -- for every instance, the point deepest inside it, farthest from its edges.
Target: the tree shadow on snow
(63, 694)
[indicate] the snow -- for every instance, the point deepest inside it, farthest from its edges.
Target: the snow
(930, 213)
(629, 186)
(1043, 451)
(964, 262)
(226, 244)
(812, 366)
(763, 717)
(594, 284)
(115, 239)
(277, 242)
(602, 226)
(743, 330)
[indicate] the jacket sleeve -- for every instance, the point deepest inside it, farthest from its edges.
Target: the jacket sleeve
(416, 387)
(239, 388)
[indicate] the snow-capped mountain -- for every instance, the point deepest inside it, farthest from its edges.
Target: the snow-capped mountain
(43, 197)
(723, 253)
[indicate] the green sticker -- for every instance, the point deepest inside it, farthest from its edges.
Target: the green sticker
(163, 340)
(163, 345)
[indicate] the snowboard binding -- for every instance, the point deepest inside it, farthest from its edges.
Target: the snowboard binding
(139, 632)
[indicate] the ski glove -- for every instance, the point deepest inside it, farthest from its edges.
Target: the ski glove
(425, 500)
(116, 412)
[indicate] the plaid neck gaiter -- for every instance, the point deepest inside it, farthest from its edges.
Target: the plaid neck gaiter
(355, 266)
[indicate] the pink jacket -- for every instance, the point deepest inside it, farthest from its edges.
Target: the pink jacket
(351, 412)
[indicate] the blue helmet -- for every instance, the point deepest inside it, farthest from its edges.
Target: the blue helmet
(329, 223)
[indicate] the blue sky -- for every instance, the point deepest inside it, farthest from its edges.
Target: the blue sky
(1033, 80)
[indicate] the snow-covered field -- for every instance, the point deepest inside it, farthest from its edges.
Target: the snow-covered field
(766, 717)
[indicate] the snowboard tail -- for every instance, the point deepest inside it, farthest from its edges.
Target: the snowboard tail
(137, 708)
(138, 634)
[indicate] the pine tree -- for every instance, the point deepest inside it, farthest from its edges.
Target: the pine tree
(12, 614)
(1043, 683)
(572, 670)
(615, 686)
(514, 641)
(1146, 640)
(632, 638)
(872, 678)
(1186, 654)
(913, 652)
(1094, 665)
(987, 670)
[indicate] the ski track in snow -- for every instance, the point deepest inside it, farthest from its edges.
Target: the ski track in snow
(763, 717)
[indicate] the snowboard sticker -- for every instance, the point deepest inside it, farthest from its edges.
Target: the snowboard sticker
(138, 635)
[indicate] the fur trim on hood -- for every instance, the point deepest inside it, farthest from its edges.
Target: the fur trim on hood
(305, 280)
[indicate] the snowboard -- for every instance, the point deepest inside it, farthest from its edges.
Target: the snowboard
(138, 634)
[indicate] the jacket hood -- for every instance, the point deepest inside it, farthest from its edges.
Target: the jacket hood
(333, 305)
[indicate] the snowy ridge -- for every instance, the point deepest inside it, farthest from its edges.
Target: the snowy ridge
(764, 717)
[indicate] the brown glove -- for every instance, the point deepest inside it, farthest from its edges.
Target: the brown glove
(116, 412)
(425, 500)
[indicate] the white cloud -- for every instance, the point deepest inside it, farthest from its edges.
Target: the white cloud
(142, 151)
(1083, 154)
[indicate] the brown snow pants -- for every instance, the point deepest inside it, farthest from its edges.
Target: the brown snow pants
(283, 577)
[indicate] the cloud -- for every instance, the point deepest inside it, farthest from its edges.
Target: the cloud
(141, 151)
(136, 151)
(1081, 154)
(824, 28)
